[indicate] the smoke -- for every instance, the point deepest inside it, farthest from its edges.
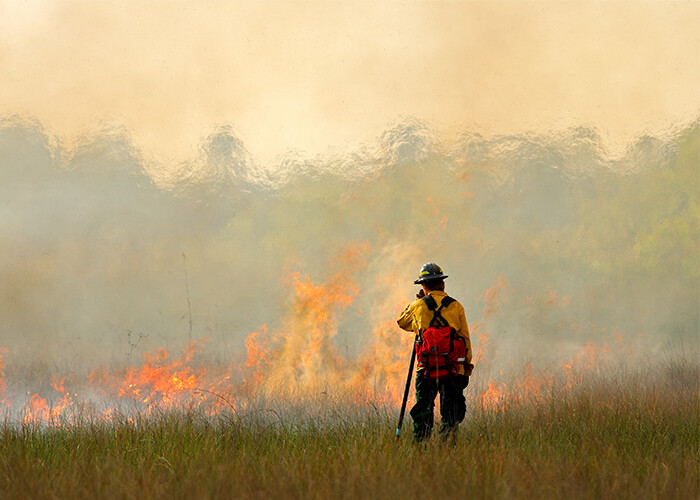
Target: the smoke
(549, 241)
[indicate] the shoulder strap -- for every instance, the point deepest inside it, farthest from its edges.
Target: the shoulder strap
(446, 301)
(430, 302)
(438, 320)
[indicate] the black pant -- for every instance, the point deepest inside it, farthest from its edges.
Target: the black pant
(452, 404)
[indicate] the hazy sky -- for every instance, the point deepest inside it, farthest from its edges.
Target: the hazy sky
(317, 75)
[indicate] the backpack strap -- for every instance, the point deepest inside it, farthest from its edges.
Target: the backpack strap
(446, 301)
(437, 320)
(430, 302)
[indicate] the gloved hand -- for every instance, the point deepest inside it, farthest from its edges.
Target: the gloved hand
(420, 294)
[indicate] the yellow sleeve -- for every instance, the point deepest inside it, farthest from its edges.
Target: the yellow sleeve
(405, 320)
(464, 332)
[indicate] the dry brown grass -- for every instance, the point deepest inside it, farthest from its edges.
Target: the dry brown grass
(634, 436)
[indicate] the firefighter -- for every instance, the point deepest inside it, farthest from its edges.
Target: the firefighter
(417, 318)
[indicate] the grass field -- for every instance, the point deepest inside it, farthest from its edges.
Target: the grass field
(632, 435)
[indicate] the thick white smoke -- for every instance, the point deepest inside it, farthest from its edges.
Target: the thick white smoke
(101, 247)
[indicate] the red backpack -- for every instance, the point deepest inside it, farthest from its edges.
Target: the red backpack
(440, 350)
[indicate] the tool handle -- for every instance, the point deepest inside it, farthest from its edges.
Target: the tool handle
(405, 393)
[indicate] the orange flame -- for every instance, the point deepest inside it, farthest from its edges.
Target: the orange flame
(531, 387)
(161, 382)
(39, 411)
(302, 353)
(493, 297)
(589, 357)
(300, 357)
(494, 397)
(258, 351)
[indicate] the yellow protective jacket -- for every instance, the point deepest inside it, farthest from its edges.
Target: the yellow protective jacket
(416, 318)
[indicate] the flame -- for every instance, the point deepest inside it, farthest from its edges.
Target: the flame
(59, 385)
(162, 384)
(39, 411)
(302, 354)
(482, 343)
(494, 397)
(300, 357)
(493, 297)
(385, 363)
(530, 387)
(590, 356)
(383, 367)
(258, 353)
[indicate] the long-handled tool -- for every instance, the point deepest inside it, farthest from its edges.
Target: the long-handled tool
(405, 393)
